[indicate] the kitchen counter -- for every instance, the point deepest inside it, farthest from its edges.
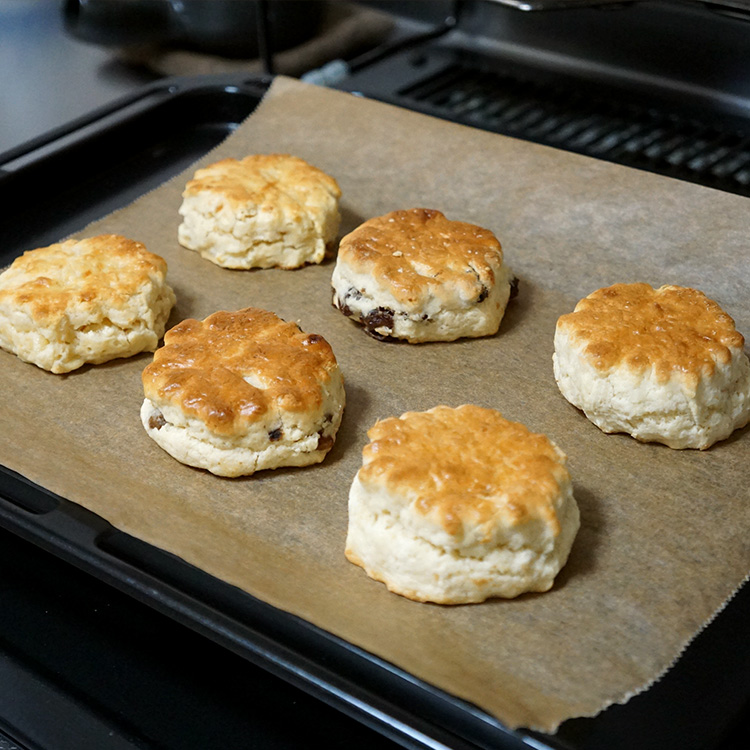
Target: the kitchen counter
(49, 78)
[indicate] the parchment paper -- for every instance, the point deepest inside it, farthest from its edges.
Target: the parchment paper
(664, 539)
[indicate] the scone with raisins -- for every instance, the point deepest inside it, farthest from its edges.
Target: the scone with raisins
(243, 391)
(417, 276)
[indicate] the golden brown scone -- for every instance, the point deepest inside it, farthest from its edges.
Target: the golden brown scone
(418, 276)
(80, 301)
(261, 211)
(243, 391)
(664, 365)
(455, 505)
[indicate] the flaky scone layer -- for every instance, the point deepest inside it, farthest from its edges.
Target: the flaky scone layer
(266, 210)
(84, 301)
(663, 365)
(458, 505)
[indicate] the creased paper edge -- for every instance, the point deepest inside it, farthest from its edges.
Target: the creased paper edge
(624, 698)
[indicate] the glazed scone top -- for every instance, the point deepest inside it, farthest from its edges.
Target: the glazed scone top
(268, 182)
(467, 467)
(231, 368)
(674, 330)
(420, 253)
(84, 276)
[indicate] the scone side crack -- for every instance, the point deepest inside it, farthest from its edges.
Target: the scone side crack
(499, 548)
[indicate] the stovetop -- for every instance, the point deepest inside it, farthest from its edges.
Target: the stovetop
(655, 85)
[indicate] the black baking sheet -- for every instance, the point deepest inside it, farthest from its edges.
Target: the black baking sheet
(60, 183)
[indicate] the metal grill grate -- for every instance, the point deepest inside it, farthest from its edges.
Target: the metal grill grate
(624, 133)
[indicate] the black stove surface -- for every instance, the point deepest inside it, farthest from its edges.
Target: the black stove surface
(652, 85)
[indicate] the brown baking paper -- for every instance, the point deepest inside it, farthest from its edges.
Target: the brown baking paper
(663, 542)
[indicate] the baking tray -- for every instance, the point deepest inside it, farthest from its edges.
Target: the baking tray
(59, 183)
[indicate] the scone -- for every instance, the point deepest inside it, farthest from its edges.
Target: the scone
(80, 301)
(417, 276)
(261, 211)
(664, 365)
(456, 505)
(243, 391)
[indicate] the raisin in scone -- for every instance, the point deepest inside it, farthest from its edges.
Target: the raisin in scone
(243, 391)
(456, 505)
(262, 211)
(416, 275)
(663, 365)
(84, 301)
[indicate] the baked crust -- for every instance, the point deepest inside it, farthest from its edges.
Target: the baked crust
(265, 180)
(231, 369)
(79, 277)
(467, 466)
(421, 254)
(671, 329)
